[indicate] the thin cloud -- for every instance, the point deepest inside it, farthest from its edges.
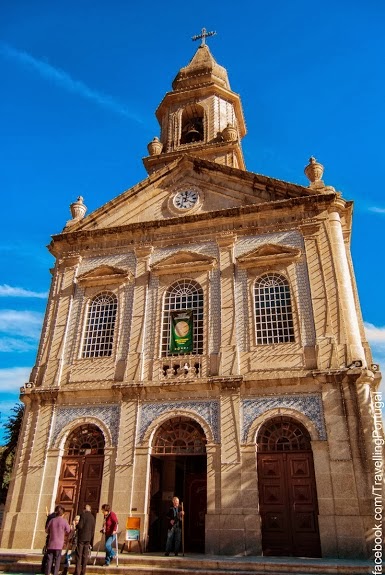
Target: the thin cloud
(374, 334)
(17, 345)
(9, 291)
(13, 378)
(26, 324)
(377, 210)
(376, 339)
(65, 81)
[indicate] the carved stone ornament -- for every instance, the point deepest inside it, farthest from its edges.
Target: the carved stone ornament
(155, 147)
(230, 133)
(314, 171)
(78, 209)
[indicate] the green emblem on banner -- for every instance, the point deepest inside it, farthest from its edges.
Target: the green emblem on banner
(181, 340)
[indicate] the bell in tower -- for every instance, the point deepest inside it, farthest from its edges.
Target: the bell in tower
(192, 125)
(194, 116)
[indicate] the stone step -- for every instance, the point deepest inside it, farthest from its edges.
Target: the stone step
(191, 564)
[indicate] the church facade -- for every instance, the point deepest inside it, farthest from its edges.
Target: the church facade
(203, 338)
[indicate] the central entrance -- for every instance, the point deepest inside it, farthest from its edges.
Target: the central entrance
(178, 467)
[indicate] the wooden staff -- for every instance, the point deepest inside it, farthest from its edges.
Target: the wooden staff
(182, 519)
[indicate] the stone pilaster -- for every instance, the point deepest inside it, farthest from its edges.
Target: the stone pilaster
(355, 350)
(135, 362)
(228, 350)
(55, 351)
(326, 351)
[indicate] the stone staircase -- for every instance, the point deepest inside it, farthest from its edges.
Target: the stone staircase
(24, 561)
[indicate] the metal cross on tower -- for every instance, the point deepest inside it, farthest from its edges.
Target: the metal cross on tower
(204, 34)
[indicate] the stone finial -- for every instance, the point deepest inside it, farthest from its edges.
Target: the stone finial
(314, 172)
(230, 133)
(155, 147)
(78, 209)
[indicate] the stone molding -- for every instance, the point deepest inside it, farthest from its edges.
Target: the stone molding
(207, 410)
(108, 414)
(309, 405)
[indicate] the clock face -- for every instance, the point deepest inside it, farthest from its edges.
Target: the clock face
(186, 200)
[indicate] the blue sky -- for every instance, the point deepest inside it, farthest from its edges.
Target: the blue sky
(80, 82)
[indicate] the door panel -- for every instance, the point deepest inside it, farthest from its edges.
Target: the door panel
(80, 483)
(288, 504)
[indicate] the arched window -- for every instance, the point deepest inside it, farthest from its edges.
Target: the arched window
(192, 124)
(185, 295)
(283, 433)
(85, 440)
(273, 310)
(181, 436)
(100, 325)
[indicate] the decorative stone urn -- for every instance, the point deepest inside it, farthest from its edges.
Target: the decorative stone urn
(155, 147)
(230, 133)
(78, 209)
(314, 172)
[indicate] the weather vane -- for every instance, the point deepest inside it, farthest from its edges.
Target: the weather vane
(204, 34)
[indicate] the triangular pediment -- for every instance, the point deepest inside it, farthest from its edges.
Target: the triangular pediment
(183, 261)
(104, 275)
(269, 254)
(220, 188)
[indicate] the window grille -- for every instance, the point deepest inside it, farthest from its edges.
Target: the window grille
(283, 434)
(100, 326)
(273, 310)
(180, 436)
(183, 295)
(85, 440)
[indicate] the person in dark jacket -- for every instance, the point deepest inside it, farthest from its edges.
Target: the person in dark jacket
(85, 539)
(174, 533)
(110, 529)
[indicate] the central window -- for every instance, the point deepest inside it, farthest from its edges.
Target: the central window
(183, 313)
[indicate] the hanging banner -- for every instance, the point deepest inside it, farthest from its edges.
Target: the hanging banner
(181, 340)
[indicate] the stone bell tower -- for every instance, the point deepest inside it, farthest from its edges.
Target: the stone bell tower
(201, 116)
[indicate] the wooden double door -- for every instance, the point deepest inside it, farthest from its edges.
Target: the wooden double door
(80, 483)
(288, 504)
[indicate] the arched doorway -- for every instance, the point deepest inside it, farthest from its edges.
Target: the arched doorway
(287, 489)
(81, 470)
(178, 467)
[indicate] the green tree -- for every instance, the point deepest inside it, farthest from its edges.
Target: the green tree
(7, 455)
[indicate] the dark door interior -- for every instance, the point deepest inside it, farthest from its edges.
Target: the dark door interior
(185, 477)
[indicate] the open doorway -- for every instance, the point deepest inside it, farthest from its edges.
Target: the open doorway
(178, 467)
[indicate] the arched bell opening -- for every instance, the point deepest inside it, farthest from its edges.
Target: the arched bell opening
(192, 124)
(81, 470)
(287, 489)
(178, 467)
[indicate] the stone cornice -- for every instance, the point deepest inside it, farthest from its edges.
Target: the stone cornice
(269, 255)
(184, 262)
(104, 275)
